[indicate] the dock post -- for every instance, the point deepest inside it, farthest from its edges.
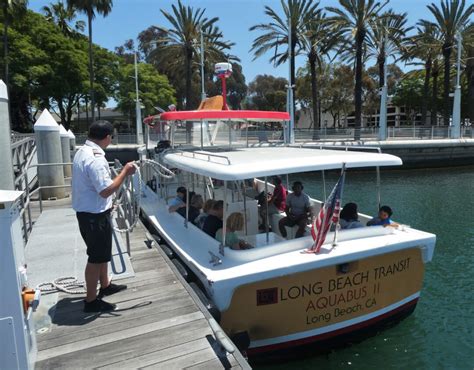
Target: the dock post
(7, 181)
(48, 145)
(65, 150)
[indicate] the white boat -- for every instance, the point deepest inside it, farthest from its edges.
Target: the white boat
(273, 293)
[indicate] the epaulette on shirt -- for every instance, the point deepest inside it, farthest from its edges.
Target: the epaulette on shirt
(97, 153)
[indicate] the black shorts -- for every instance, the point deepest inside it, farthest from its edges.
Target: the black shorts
(96, 230)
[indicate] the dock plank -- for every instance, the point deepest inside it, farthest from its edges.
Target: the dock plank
(157, 324)
(162, 354)
(190, 358)
(128, 348)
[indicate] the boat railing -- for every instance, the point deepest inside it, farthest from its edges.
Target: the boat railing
(209, 156)
(309, 144)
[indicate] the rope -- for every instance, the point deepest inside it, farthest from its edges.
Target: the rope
(67, 284)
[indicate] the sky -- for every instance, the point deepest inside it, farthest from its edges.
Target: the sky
(129, 17)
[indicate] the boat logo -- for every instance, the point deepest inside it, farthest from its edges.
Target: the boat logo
(267, 296)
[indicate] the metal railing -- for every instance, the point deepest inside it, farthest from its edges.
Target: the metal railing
(25, 186)
(307, 134)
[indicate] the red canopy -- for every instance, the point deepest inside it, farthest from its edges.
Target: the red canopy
(252, 115)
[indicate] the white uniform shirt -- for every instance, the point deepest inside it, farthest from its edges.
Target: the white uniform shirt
(90, 175)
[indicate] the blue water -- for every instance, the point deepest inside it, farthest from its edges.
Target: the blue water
(439, 334)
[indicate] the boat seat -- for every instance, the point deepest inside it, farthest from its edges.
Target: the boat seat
(290, 231)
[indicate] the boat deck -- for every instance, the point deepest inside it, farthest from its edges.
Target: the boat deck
(157, 322)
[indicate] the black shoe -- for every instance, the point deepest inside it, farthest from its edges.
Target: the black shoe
(111, 289)
(98, 305)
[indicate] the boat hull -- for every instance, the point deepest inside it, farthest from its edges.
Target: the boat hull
(332, 305)
(324, 343)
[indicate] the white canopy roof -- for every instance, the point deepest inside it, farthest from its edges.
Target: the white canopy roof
(245, 163)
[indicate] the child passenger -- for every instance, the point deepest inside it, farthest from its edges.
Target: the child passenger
(199, 221)
(178, 202)
(235, 222)
(349, 218)
(383, 218)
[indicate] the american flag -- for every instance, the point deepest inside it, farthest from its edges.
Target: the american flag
(329, 214)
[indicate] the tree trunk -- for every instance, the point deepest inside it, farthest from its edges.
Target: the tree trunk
(447, 48)
(470, 83)
(314, 94)
(91, 64)
(358, 84)
(5, 40)
(381, 64)
(62, 111)
(434, 97)
(426, 87)
(87, 110)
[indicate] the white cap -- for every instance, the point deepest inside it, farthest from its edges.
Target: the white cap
(46, 122)
(3, 90)
(62, 131)
(70, 134)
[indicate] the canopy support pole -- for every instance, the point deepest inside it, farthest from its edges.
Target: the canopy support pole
(266, 210)
(224, 220)
(324, 185)
(245, 207)
(378, 188)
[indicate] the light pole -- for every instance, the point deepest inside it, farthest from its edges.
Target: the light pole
(290, 106)
(138, 111)
(456, 127)
(383, 98)
(203, 91)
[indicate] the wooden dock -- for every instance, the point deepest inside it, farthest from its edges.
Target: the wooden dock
(157, 324)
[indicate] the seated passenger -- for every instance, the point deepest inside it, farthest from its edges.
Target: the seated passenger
(298, 211)
(383, 218)
(349, 218)
(199, 221)
(235, 222)
(213, 222)
(178, 202)
(195, 207)
(276, 201)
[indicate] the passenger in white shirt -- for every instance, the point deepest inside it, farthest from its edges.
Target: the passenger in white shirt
(92, 190)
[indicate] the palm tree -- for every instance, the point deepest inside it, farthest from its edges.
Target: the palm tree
(354, 19)
(11, 8)
(178, 46)
(426, 47)
(276, 33)
(452, 17)
(90, 8)
(318, 39)
(62, 16)
(387, 38)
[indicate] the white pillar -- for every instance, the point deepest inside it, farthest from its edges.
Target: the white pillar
(7, 181)
(383, 110)
(18, 341)
(456, 125)
(138, 109)
(65, 150)
(48, 145)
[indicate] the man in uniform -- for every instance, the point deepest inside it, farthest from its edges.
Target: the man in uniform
(92, 190)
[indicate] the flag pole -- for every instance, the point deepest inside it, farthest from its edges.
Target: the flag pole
(334, 242)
